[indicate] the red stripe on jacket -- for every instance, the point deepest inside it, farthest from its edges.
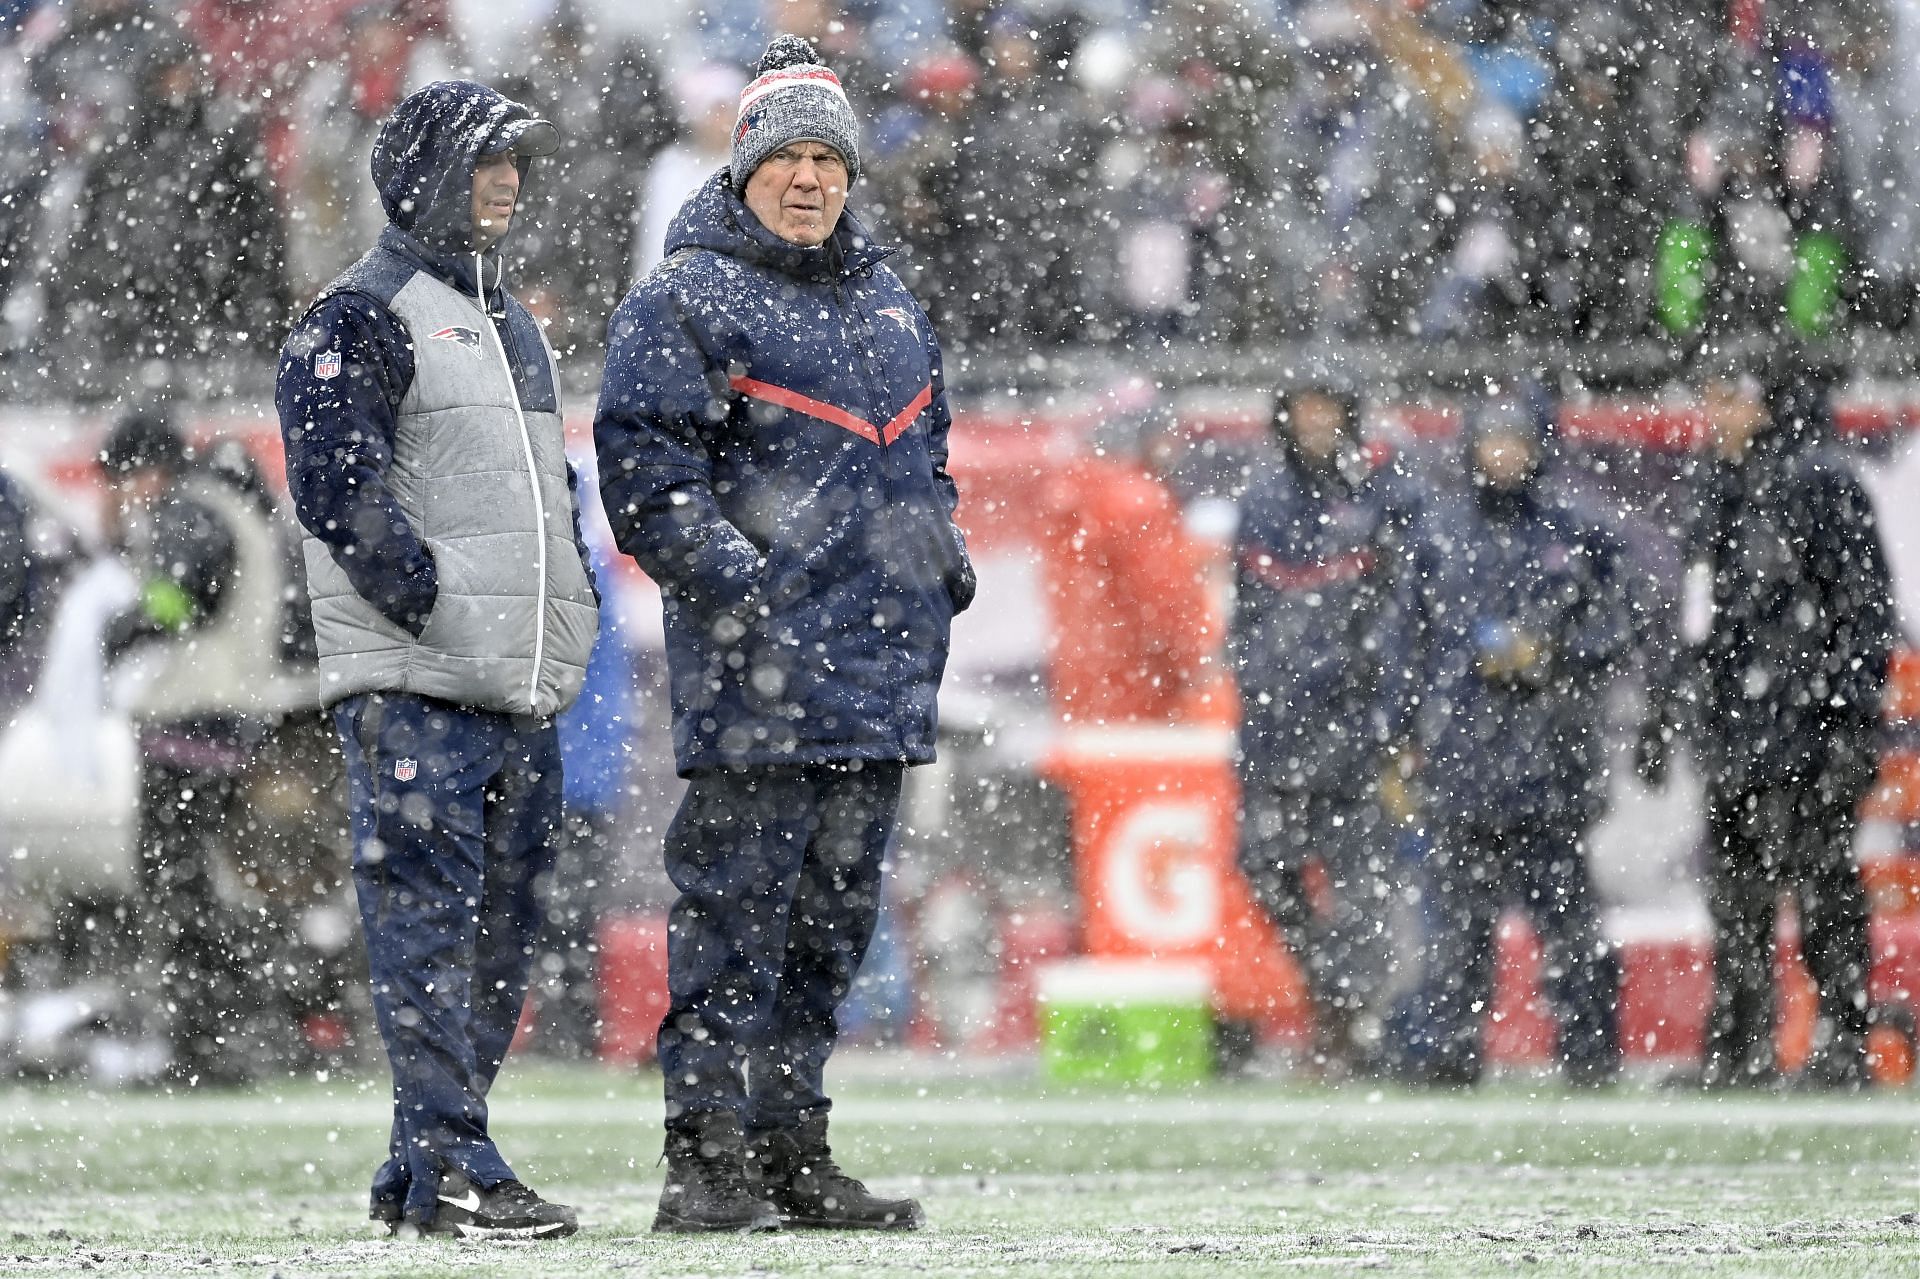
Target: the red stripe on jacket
(767, 392)
(1270, 569)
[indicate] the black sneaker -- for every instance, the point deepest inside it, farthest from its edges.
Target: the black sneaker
(793, 1170)
(706, 1190)
(507, 1211)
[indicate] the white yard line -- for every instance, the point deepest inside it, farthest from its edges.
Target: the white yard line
(27, 1110)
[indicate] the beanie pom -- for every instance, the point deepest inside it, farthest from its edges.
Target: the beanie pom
(793, 96)
(787, 51)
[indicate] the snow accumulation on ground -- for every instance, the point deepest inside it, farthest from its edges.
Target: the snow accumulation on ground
(1018, 1178)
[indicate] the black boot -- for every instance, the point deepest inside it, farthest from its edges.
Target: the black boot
(706, 1188)
(1839, 1065)
(792, 1170)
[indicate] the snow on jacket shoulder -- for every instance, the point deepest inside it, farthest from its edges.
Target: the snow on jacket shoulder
(772, 439)
(419, 407)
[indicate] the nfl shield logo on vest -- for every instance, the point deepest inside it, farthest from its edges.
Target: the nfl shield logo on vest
(405, 770)
(326, 365)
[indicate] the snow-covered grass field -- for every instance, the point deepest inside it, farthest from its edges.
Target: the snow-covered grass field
(1018, 1179)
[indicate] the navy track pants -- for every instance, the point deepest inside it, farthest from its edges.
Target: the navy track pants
(779, 878)
(455, 818)
(1540, 866)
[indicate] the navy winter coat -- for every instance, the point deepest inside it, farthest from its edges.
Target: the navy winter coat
(772, 438)
(1313, 576)
(339, 430)
(1794, 667)
(1479, 568)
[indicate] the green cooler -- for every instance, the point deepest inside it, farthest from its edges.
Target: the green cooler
(1126, 1021)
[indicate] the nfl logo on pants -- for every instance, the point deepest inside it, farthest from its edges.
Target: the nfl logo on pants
(405, 770)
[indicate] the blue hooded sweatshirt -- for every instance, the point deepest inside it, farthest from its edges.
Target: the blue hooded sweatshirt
(338, 429)
(1483, 568)
(772, 439)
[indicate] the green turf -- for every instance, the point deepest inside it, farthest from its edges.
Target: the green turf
(1018, 1179)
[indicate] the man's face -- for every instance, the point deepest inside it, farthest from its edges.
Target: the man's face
(799, 191)
(1505, 459)
(132, 495)
(1735, 415)
(1319, 423)
(496, 189)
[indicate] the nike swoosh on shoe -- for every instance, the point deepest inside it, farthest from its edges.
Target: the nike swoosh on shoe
(470, 1203)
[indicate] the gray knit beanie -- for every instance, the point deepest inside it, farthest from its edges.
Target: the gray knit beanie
(794, 98)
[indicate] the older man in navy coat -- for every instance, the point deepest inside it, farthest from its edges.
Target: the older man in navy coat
(772, 436)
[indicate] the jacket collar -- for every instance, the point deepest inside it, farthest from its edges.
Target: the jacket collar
(717, 219)
(460, 270)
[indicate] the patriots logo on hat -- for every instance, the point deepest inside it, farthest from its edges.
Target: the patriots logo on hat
(747, 122)
(326, 365)
(469, 338)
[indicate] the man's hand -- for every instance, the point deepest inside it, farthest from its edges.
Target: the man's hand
(1399, 799)
(1511, 654)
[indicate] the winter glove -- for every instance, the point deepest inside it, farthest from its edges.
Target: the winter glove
(1510, 654)
(961, 587)
(164, 608)
(1399, 798)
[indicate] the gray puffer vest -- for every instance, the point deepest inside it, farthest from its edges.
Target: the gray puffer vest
(483, 480)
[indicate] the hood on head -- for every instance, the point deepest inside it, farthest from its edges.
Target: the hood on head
(424, 158)
(717, 219)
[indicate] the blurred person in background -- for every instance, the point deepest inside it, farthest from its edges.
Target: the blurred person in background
(454, 610)
(707, 98)
(1790, 638)
(180, 254)
(1874, 45)
(199, 650)
(1356, 160)
(937, 200)
(16, 562)
(579, 233)
(1170, 203)
(332, 214)
(1609, 165)
(25, 167)
(1512, 615)
(1763, 234)
(773, 353)
(22, 594)
(1030, 135)
(1487, 283)
(1314, 561)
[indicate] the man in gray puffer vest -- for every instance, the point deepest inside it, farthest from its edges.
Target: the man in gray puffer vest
(454, 611)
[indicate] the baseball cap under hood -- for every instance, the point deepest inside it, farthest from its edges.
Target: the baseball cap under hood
(424, 158)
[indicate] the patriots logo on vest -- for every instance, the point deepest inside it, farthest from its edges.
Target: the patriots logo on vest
(326, 365)
(469, 338)
(405, 770)
(899, 315)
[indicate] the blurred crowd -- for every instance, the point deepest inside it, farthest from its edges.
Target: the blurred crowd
(180, 178)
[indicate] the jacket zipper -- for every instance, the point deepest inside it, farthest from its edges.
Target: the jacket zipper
(533, 477)
(847, 300)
